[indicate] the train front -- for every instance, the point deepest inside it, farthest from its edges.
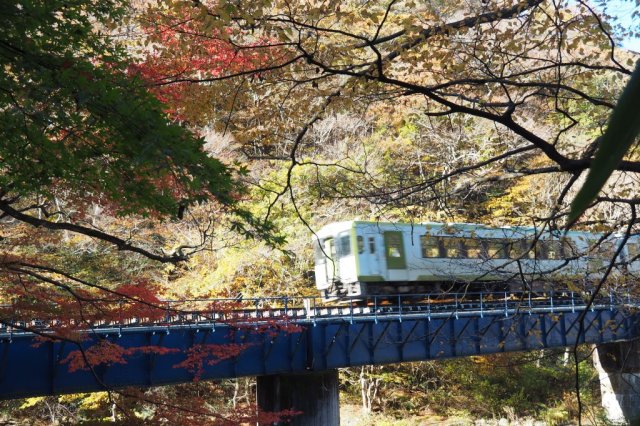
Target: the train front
(335, 262)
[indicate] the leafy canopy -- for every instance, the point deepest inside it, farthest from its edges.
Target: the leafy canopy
(620, 135)
(73, 119)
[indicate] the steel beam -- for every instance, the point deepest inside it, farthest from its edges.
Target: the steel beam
(28, 370)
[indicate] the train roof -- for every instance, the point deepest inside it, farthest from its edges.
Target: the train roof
(332, 228)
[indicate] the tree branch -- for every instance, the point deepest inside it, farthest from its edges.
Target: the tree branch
(93, 233)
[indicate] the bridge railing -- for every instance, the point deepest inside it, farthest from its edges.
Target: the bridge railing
(199, 312)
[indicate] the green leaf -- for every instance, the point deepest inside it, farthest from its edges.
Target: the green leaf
(624, 127)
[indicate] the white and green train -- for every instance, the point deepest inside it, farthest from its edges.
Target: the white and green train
(358, 258)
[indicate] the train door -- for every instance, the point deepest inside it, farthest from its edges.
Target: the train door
(395, 255)
(331, 264)
(372, 255)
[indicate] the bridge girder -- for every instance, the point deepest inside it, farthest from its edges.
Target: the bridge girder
(27, 370)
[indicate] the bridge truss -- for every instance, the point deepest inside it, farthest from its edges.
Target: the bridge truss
(281, 335)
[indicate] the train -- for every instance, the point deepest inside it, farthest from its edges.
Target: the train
(363, 258)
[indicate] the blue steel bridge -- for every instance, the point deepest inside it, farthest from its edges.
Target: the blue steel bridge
(399, 329)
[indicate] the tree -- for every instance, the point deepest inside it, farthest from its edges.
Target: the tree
(462, 102)
(513, 65)
(536, 81)
(540, 78)
(622, 130)
(92, 170)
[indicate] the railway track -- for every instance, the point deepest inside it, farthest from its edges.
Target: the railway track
(274, 310)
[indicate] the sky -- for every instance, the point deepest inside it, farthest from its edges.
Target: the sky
(623, 11)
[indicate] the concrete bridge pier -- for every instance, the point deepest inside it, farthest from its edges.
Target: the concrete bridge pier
(314, 394)
(618, 366)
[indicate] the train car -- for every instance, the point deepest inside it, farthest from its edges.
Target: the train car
(359, 258)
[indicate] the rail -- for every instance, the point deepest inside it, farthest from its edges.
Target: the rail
(198, 313)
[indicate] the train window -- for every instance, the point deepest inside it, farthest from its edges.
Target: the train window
(372, 245)
(394, 250)
(495, 249)
(548, 249)
(319, 254)
(569, 249)
(509, 248)
(602, 249)
(474, 249)
(344, 247)
(520, 249)
(529, 246)
(332, 248)
(553, 249)
(607, 249)
(430, 246)
(453, 247)
(360, 240)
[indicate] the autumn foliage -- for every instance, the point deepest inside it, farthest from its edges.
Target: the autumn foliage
(397, 110)
(184, 48)
(105, 353)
